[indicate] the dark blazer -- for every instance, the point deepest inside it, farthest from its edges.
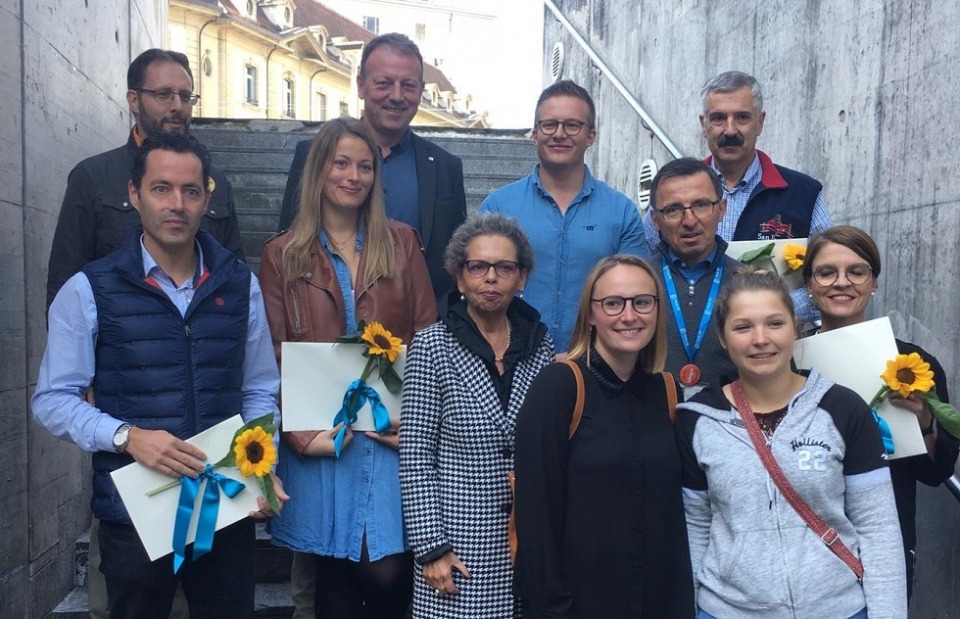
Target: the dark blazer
(443, 204)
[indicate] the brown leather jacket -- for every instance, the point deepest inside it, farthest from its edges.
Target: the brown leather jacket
(312, 310)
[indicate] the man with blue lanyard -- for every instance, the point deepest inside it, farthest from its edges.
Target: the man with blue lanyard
(687, 206)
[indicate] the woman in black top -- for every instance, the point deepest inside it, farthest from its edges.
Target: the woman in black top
(600, 519)
(841, 269)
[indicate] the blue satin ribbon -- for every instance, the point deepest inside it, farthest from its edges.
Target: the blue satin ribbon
(348, 411)
(207, 521)
(885, 432)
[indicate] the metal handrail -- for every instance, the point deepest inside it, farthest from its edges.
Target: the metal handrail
(621, 88)
(953, 485)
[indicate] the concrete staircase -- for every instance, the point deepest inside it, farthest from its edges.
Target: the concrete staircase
(272, 600)
(255, 155)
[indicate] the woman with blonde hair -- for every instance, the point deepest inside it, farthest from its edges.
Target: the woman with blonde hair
(598, 504)
(343, 261)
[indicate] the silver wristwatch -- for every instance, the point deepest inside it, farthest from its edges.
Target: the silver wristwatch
(121, 437)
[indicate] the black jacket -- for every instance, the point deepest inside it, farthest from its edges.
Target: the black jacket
(96, 214)
(443, 204)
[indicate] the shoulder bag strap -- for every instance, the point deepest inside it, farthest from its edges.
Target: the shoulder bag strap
(671, 386)
(578, 406)
(829, 535)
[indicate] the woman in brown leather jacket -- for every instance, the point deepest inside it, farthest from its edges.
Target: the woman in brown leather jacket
(343, 261)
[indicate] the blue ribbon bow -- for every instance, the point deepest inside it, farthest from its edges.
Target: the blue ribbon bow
(358, 393)
(885, 432)
(207, 522)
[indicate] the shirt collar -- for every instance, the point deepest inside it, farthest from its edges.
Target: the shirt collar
(403, 145)
(706, 262)
(589, 183)
(750, 178)
(149, 264)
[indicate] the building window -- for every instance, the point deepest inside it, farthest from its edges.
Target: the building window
(251, 8)
(289, 101)
(288, 16)
(251, 84)
(344, 108)
(372, 24)
(421, 32)
(321, 106)
(207, 65)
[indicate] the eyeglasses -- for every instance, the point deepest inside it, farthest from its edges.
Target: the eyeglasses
(700, 208)
(570, 127)
(855, 274)
(166, 96)
(614, 306)
(504, 268)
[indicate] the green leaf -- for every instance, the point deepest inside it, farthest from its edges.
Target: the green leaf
(756, 254)
(947, 415)
(266, 487)
(392, 380)
(264, 421)
(347, 339)
(383, 364)
(361, 326)
(368, 369)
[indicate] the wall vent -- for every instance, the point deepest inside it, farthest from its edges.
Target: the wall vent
(648, 169)
(556, 62)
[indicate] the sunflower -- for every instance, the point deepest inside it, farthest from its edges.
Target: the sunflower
(908, 373)
(254, 452)
(381, 342)
(794, 255)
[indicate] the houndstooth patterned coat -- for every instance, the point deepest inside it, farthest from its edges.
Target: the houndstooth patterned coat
(456, 447)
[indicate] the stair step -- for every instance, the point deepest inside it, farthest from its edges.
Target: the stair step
(272, 600)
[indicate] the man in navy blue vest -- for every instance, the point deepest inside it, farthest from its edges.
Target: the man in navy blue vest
(170, 333)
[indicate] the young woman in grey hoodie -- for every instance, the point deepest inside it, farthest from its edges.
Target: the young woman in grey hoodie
(752, 555)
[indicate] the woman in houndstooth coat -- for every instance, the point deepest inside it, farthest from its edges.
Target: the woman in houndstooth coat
(464, 381)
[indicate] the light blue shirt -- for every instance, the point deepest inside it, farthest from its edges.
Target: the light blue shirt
(599, 222)
(69, 361)
(342, 271)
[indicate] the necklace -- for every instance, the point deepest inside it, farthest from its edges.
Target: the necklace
(507, 347)
(341, 244)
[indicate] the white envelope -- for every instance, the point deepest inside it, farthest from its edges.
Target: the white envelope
(153, 516)
(855, 357)
(794, 279)
(315, 376)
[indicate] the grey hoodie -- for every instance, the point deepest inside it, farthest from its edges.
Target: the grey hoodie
(752, 555)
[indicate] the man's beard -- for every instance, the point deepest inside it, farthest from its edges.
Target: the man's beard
(147, 126)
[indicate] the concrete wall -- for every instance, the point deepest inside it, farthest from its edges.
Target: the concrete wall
(62, 87)
(858, 94)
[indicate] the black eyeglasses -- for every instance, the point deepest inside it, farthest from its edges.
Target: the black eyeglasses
(504, 268)
(570, 127)
(614, 305)
(856, 274)
(166, 95)
(700, 208)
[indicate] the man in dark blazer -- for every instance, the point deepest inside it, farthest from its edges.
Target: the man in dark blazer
(423, 183)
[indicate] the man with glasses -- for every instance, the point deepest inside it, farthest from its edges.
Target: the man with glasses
(96, 212)
(572, 219)
(687, 206)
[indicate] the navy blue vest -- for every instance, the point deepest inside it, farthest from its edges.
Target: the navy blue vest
(156, 369)
(779, 212)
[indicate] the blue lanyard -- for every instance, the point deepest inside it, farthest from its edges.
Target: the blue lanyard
(678, 313)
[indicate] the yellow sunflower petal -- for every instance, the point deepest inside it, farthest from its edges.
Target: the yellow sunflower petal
(381, 342)
(255, 453)
(794, 255)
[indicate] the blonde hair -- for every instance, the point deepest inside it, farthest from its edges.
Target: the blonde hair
(654, 355)
(378, 246)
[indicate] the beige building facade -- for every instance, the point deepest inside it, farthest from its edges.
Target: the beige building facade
(288, 59)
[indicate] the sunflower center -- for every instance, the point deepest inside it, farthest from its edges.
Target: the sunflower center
(906, 376)
(381, 341)
(254, 452)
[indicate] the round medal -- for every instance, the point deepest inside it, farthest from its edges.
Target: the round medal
(689, 375)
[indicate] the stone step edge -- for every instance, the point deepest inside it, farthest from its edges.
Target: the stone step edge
(267, 596)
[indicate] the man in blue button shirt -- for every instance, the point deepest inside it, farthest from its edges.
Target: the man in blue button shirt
(572, 219)
(170, 333)
(422, 183)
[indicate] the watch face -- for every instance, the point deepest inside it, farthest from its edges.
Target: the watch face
(121, 436)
